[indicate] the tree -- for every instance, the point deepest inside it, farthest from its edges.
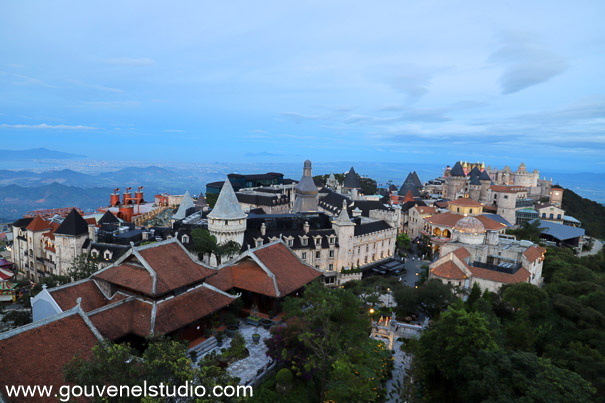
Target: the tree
(163, 361)
(205, 243)
(529, 231)
(403, 242)
(437, 355)
(211, 199)
(407, 301)
(82, 267)
(434, 297)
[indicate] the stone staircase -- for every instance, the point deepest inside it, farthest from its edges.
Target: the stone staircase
(204, 347)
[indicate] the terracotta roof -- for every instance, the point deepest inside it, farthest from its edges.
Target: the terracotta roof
(36, 354)
(38, 224)
(461, 253)
(450, 219)
(174, 313)
(448, 270)
(520, 276)
(508, 189)
(128, 276)
(534, 252)
(91, 221)
(123, 318)
(172, 265)
(408, 196)
(290, 273)
(490, 224)
(465, 201)
(92, 298)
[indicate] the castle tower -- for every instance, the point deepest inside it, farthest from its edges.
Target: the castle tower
(345, 230)
(455, 183)
(486, 182)
(227, 220)
(305, 193)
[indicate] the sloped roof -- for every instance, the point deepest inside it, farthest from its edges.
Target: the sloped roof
(227, 207)
(425, 210)
(417, 181)
(73, 224)
(130, 316)
(475, 172)
(368, 228)
(534, 253)
(257, 269)
(408, 196)
(201, 201)
(484, 176)
(409, 187)
(168, 263)
(457, 170)
(465, 201)
(38, 224)
(560, 231)
(448, 270)
(449, 219)
(185, 205)
(92, 298)
(475, 180)
(108, 218)
(521, 275)
(352, 180)
(35, 354)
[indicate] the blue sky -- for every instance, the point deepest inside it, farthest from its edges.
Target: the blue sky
(400, 81)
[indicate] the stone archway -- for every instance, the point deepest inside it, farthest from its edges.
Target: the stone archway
(437, 231)
(446, 233)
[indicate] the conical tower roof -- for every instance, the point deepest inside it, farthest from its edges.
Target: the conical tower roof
(484, 176)
(73, 224)
(109, 218)
(185, 205)
(201, 201)
(227, 207)
(343, 217)
(417, 181)
(475, 172)
(457, 170)
(352, 180)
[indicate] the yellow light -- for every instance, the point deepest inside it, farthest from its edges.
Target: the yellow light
(372, 310)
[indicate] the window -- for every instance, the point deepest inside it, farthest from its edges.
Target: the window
(317, 266)
(506, 196)
(185, 239)
(107, 255)
(317, 254)
(543, 215)
(304, 241)
(332, 253)
(304, 256)
(558, 216)
(94, 253)
(331, 267)
(259, 242)
(290, 242)
(551, 216)
(331, 240)
(470, 211)
(457, 209)
(365, 260)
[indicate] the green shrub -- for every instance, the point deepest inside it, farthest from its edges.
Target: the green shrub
(284, 376)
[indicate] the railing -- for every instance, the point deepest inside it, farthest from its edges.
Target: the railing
(510, 270)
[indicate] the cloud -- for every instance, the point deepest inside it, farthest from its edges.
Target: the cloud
(525, 64)
(131, 61)
(299, 117)
(174, 131)
(20, 79)
(47, 126)
(95, 86)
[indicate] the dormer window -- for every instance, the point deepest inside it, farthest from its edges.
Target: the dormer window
(185, 239)
(290, 242)
(107, 255)
(332, 240)
(304, 241)
(94, 253)
(259, 242)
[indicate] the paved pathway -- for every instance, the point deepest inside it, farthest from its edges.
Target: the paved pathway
(247, 368)
(598, 245)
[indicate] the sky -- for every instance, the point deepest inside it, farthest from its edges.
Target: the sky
(389, 81)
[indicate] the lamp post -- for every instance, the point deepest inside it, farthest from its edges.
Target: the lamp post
(388, 297)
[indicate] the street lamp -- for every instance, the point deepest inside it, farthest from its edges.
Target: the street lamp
(388, 297)
(372, 311)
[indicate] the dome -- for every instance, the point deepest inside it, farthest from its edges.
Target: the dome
(470, 224)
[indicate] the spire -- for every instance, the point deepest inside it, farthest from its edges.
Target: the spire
(73, 224)
(185, 205)
(227, 207)
(343, 217)
(351, 180)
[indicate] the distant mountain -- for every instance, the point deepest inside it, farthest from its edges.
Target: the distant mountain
(37, 154)
(16, 200)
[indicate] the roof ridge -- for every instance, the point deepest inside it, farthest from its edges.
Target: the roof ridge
(213, 288)
(265, 269)
(147, 267)
(39, 323)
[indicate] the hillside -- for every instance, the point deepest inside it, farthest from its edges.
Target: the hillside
(590, 213)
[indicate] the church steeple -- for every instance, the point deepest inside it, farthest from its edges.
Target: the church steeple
(227, 220)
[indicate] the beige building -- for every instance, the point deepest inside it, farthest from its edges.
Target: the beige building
(507, 200)
(477, 255)
(416, 216)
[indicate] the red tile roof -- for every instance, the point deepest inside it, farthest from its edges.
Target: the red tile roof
(38, 224)
(123, 318)
(462, 253)
(290, 273)
(448, 270)
(522, 275)
(425, 210)
(450, 219)
(37, 356)
(508, 189)
(92, 298)
(175, 313)
(534, 252)
(128, 276)
(173, 267)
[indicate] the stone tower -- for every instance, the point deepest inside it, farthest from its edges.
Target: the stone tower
(455, 183)
(345, 231)
(305, 193)
(227, 220)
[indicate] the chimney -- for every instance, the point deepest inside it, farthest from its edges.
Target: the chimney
(263, 229)
(306, 227)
